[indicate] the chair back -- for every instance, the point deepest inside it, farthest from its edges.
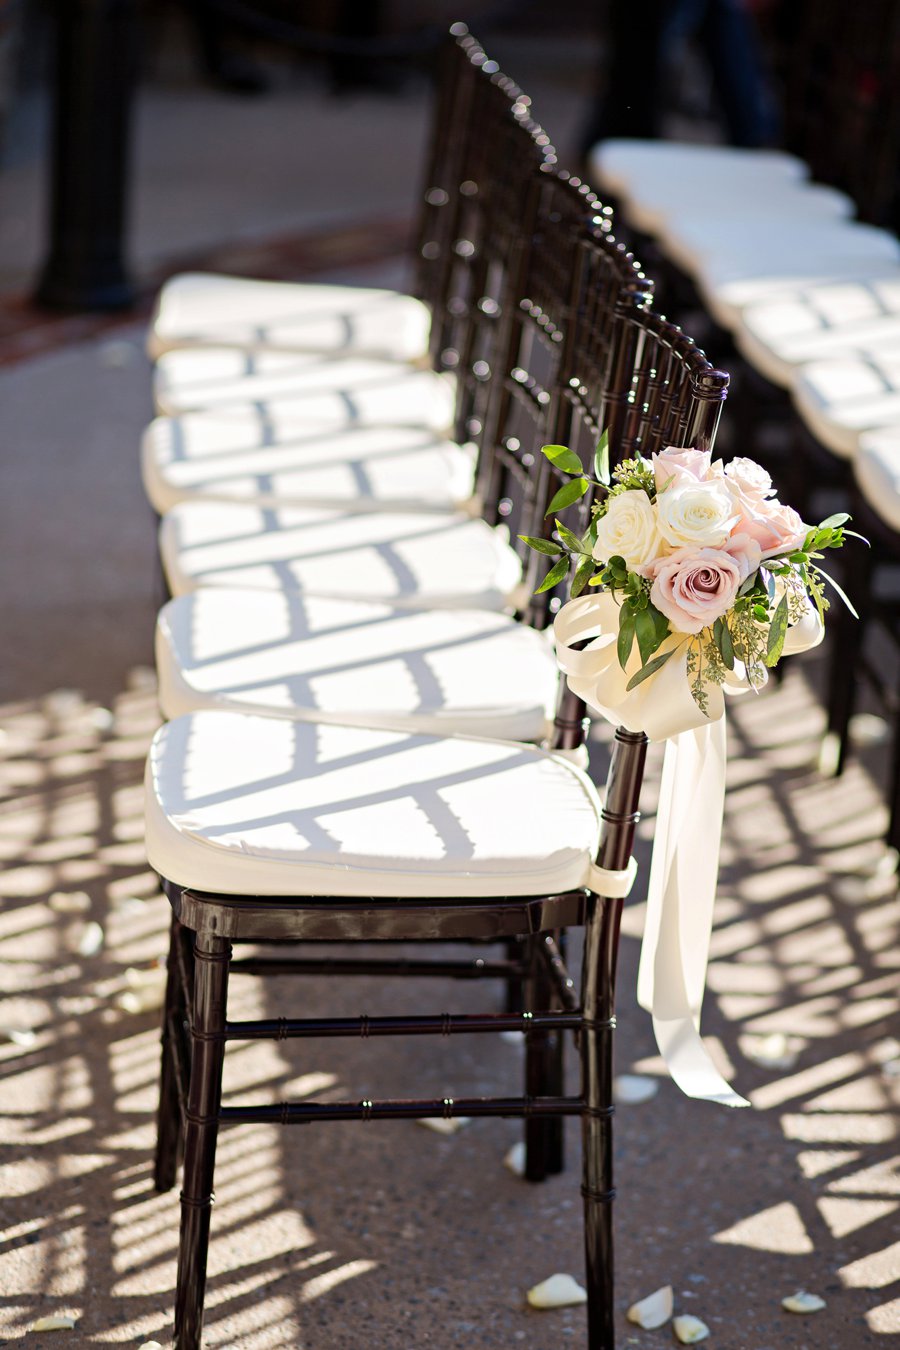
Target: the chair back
(544, 295)
(663, 391)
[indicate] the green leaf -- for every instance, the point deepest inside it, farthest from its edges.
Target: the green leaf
(748, 585)
(650, 668)
(583, 573)
(572, 540)
(645, 629)
(563, 458)
(777, 632)
(626, 635)
(558, 572)
(541, 545)
(840, 518)
(601, 459)
(722, 639)
(841, 593)
(568, 493)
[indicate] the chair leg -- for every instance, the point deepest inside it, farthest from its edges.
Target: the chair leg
(211, 955)
(848, 634)
(597, 1120)
(544, 1136)
(168, 1121)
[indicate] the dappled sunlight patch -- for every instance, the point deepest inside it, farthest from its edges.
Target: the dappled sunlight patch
(779, 1229)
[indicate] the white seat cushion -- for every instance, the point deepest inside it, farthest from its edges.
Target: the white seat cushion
(246, 805)
(840, 399)
(421, 560)
(729, 285)
(313, 389)
(653, 178)
(363, 468)
(834, 319)
(783, 218)
(199, 309)
(877, 470)
(441, 671)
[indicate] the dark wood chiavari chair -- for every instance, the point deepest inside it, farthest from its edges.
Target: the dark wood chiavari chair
(670, 394)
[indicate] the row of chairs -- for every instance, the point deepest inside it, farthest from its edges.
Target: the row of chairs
(367, 739)
(806, 298)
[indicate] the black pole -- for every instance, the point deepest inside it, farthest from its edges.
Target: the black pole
(93, 77)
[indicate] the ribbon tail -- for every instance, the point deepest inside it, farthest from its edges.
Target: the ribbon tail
(681, 895)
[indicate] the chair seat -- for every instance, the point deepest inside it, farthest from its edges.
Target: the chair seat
(650, 177)
(877, 470)
(840, 399)
(362, 468)
(410, 559)
(788, 217)
(313, 389)
(729, 286)
(197, 309)
(834, 319)
(245, 805)
(468, 671)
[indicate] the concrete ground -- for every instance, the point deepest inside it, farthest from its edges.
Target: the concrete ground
(343, 1237)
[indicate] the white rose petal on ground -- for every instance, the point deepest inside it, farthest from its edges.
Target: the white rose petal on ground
(91, 940)
(55, 1323)
(632, 1088)
(690, 1329)
(515, 1159)
(654, 1310)
(23, 1037)
(802, 1302)
(150, 1345)
(775, 1051)
(559, 1291)
(512, 1037)
(442, 1126)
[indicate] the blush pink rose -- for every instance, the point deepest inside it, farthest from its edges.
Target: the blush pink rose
(694, 587)
(776, 528)
(687, 465)
(746, 552)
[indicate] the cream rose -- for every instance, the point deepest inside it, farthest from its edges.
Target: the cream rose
(629, 531)
(694, 587)
(750, 478)
(698, 515)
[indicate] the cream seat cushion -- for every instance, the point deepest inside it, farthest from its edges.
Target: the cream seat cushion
(729, 285)
(836, 318)
(412, 559)
(363, 468)
(650, 177)
(841, 398)
(313, 389)
(198, 309)
(785, 218)
(246, 805)
(301, 656)
(877, 470)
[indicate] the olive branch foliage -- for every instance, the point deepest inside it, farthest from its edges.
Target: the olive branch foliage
(753, 631)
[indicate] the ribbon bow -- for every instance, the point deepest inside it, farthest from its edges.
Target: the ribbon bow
(684, 868)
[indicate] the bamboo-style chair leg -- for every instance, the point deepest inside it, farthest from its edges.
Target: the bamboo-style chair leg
(211, 955)
(541, 1134)
(168, 1121)
(597, 1121)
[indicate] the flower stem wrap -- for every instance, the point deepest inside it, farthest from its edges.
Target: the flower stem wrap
(684, 868)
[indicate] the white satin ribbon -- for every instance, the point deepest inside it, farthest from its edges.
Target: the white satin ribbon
(684, 869)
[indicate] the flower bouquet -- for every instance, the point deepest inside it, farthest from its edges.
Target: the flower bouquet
(700, 559)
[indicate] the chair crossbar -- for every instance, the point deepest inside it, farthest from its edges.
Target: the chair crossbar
(562, 982)
(474, 969)
(447, 1108)
(439, 1024)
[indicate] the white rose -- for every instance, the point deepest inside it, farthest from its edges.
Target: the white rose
(629, 531)
(701, 515)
